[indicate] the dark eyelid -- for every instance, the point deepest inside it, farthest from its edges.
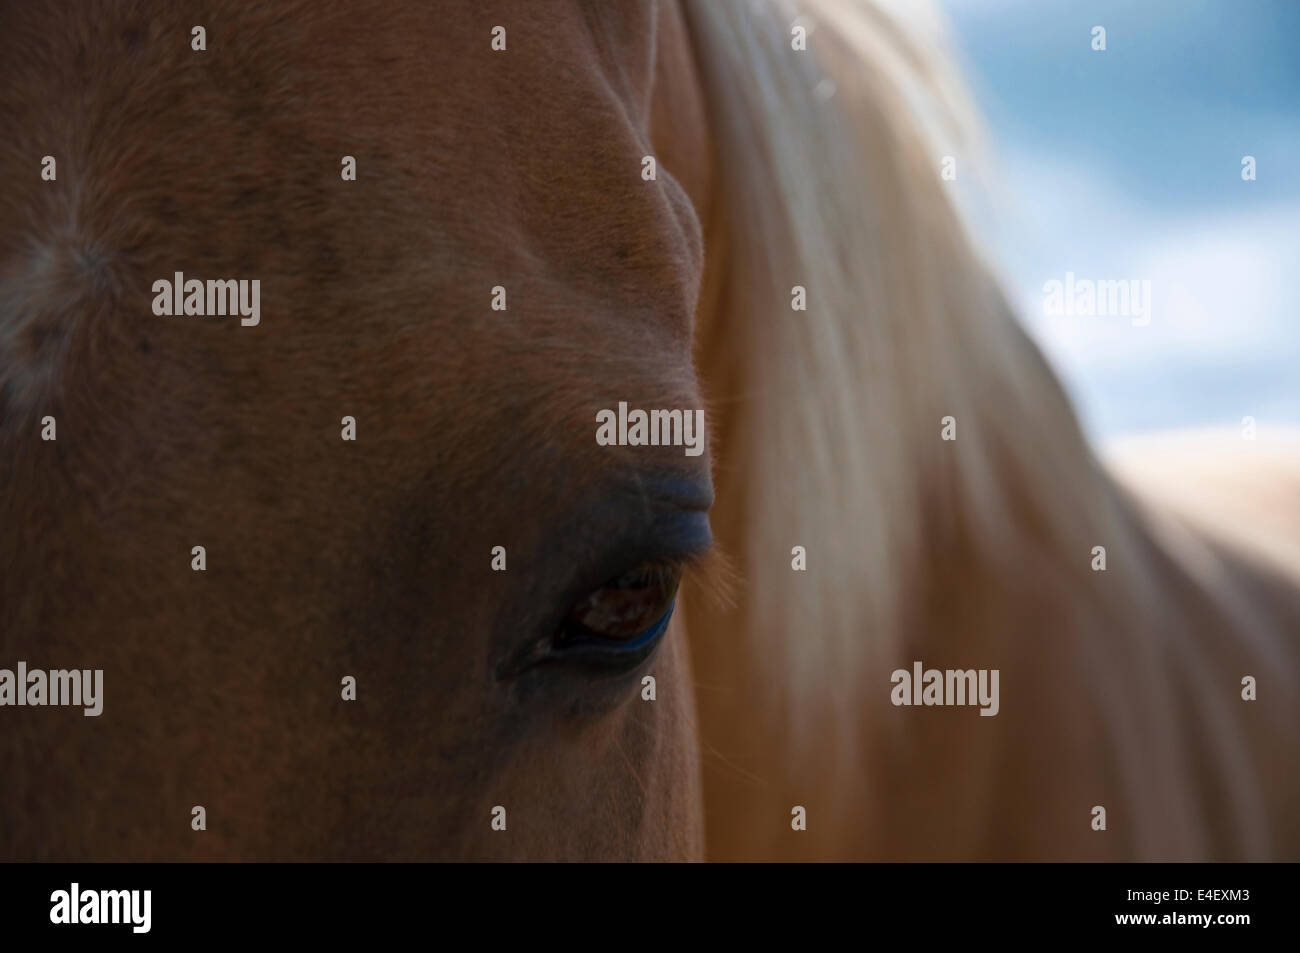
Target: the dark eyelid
(681, 536)
(682, 492)
(619, 650)
(674, 538)
(659, 517)
(642, 521)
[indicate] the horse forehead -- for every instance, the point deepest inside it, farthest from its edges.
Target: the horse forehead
(545, 174)
(569, 78)
(566, 54)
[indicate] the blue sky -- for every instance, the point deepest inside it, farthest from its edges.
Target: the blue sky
(1126, 164)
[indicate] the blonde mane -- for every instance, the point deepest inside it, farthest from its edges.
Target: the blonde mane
(974, 551)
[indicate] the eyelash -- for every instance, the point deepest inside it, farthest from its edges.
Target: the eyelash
(659, 580)
(605, 656)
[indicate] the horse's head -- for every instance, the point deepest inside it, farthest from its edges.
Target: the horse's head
(502, 269)
(547, 279)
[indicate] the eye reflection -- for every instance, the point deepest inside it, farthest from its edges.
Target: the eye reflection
(632, 608)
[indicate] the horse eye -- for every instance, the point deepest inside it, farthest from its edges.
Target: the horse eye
(628, 612)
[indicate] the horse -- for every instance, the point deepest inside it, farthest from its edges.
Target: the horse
(361, 579)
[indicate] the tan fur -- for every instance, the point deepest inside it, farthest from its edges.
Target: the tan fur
(475, 429)
(1119, 689)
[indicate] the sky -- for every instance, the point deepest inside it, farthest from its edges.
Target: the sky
(1126, 164)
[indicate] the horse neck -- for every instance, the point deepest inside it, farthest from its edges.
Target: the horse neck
(827, 430)
(828, 423)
